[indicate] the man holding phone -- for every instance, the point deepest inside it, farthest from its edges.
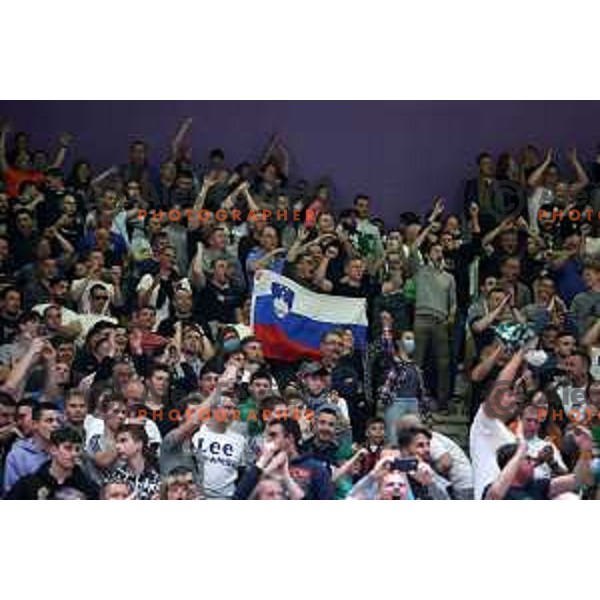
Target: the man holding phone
(516, 480)
(415, 450)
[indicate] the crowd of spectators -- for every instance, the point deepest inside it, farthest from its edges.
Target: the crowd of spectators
(129, 368)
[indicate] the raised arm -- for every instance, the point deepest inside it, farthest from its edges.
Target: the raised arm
(582, 179)
(207, 183)
(503, 384)
(283, 160)
(298, 246)
(591, 336)
(252, 205)
(344, 238)
(104, 175)
(64, 142)
(346, 468)
(15, 382)
(582, 473)
(144, 294)
(263, 263)
(51, 388)
(535, 178)
(422, 236)
(64, 243)
(102, 458)
(484, 366)
(177, 140)
(494, 233)
(482, 324)
(320, 277)
(4, 129)
(500, 487)
(197, 277)
(474, 224)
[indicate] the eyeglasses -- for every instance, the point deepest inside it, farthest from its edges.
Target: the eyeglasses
(96, 298)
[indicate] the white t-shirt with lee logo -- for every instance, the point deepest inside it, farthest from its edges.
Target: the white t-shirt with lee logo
(222, 454)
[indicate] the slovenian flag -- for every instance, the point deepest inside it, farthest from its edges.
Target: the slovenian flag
(289, 320)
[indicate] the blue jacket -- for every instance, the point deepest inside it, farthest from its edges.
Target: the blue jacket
(24, 458)
(310, 474)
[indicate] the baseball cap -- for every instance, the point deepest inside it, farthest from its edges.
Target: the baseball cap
(312, 368)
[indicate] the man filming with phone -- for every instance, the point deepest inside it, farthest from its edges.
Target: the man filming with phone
(415, 446)
(404, 473)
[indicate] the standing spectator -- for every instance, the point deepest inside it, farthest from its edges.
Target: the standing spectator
(137, 469)
(223, 452)
(28, 454)
(435, 312)
(283, 438)
(59, 475)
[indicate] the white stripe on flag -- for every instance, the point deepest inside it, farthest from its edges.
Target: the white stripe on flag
(320, 307)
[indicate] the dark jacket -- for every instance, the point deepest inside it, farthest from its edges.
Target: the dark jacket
(310, 474)
(41, 485)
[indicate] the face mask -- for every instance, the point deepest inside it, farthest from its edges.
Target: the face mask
(536, 358)
(409, 346)
(231, 345)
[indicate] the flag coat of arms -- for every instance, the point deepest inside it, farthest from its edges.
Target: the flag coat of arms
(289, 320)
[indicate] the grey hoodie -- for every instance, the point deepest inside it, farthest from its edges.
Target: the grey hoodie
(24, 458)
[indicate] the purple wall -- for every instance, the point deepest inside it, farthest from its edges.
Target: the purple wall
(402, 153)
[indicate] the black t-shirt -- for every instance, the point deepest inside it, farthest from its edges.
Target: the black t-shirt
(289, 271)
(85, 363)
(218, 304)
(41, 485)
(23, 249)
(246, 245)
(325, 452)
(368, 289)
(458, 263)
(48, 212)
(8, 329)
(536, 489)
(166, 327)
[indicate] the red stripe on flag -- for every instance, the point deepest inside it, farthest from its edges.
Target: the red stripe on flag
(278, 346)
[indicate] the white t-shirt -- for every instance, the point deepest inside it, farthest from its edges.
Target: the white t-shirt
(88, 320)
(461, 471)
(538, 198)
(95, 426)
(222, 455)
(573, 401)
(486, 436)
(162, 312)
(67, 316)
